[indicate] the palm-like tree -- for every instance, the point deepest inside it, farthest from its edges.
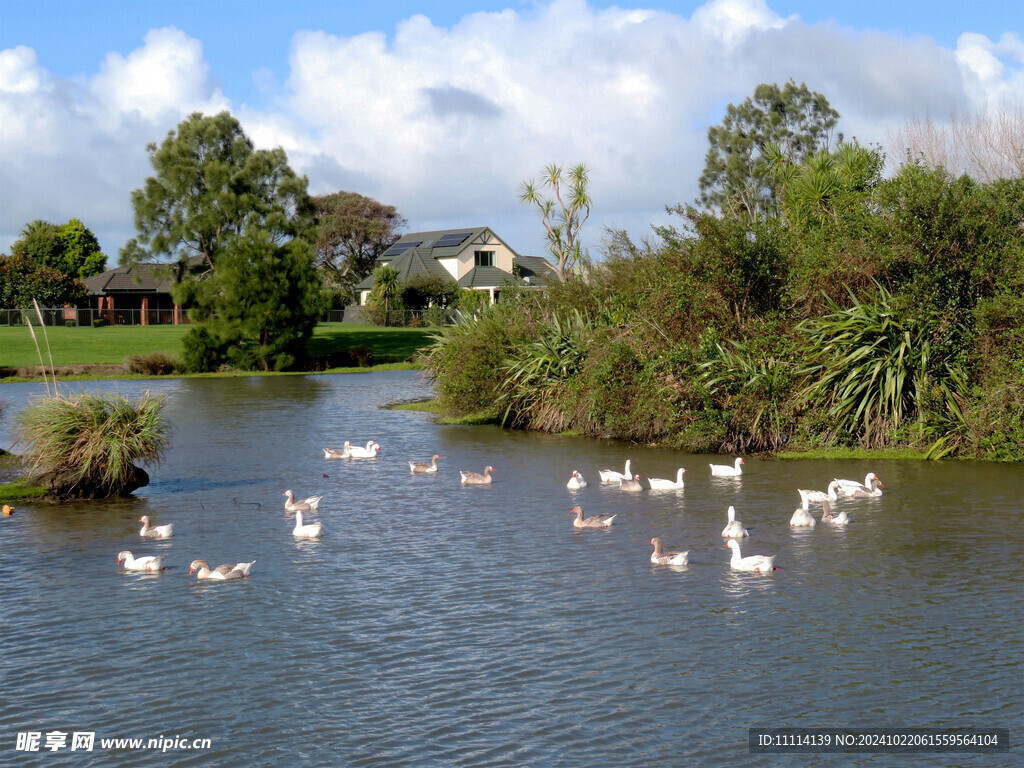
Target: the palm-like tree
(811, 191)
(385, 288)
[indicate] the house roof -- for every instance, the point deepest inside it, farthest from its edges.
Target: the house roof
(413, 261)
(140, 278)
(417, 253)
(442, 243)
(535, 270)
(485, 277)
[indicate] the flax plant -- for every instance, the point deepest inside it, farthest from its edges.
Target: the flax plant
(535, 374)
(873, 368)
(88, 443)
(736, 372)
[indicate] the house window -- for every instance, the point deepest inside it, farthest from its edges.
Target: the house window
(483, 258)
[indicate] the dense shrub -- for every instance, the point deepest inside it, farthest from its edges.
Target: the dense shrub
(155, 364)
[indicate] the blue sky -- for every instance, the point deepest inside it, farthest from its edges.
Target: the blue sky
(363, 98)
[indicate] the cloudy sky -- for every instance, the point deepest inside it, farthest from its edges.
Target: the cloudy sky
(441, 107)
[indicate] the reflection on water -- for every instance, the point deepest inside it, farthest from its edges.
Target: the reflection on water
(437, 624)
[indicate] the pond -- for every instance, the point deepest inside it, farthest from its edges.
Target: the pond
(440, 624)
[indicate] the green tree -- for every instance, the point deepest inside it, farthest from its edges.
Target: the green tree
(41, 240)
(82, 255)
(71, 249)
(384, 298)
(262, 307)
(799, 121)
(211, 186)
(241, 219)
(352, 230)
(23, 278)
(565, 214)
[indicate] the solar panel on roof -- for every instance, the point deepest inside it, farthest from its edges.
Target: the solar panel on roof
(455, 238)
(399, 248)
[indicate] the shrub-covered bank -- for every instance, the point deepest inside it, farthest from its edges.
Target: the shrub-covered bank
(871, 313)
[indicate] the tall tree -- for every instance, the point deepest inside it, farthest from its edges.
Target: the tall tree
(241, 218)
(352, 230)
(82, 255)
(263, 304)
(71, 249)
(564, 214)
(211, 186)
(799, 121)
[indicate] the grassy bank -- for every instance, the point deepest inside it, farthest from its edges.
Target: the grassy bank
(432, 406)
(113, 345)
(19, 490)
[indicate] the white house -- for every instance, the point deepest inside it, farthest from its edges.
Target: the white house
(474, 258)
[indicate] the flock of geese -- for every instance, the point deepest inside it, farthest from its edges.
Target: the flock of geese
(625, 480)
(734, 529)
(293, 507)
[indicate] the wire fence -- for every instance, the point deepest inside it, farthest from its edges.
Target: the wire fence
(97, 318)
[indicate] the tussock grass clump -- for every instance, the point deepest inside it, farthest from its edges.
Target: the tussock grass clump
(86, 445)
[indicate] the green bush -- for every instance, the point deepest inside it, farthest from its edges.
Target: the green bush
(467, 359)
(155, 364)
(873, 365)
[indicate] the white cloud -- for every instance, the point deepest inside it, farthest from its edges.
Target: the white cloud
(445, 122)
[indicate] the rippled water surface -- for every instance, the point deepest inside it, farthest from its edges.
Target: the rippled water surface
(437, 624)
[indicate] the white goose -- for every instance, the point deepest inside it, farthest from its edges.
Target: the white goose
(759, 563)
(658, 484)
(369, 452)
(611, 476)
(816, 497)
(334, 453)
(224, 572)
(576, 481)
(308, 531)
(475, 478)
(802, 518)
(735, 529)
(156, 531)
(425, 467)
(597, 521)
(875, 490)
(306, 505)
(149, 563)
(853, 489)
(631, 484)
(659, 557)
(724, 470)
(828, 518)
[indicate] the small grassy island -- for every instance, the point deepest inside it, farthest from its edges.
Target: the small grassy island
(87, 446)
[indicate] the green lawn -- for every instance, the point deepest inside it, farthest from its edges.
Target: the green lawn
(113, 345)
